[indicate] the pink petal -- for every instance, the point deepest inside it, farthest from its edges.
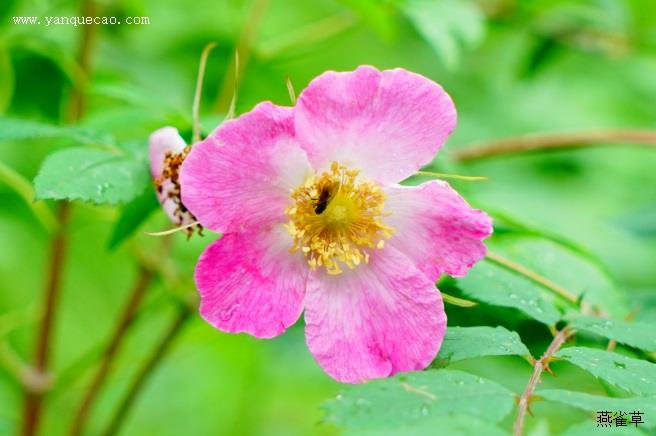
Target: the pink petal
(436, 228)
(243, 174)
(249, 282)
(388, 124)
(376, 320)
(161, 141)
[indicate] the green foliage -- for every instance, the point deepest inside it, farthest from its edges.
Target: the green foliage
(582, 219)
(462, 343)
(132, 215)
(12, 129)
(493, 284)
(594, 403)
(96, 176)
(413, 397)
(634, 375)
(449, 26)
(452, 424)
(498, 284)
(634, 334)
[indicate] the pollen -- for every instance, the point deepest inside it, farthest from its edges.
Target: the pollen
(336, 220)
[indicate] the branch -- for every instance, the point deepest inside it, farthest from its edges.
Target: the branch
(146, 370)
(539, 365)
(34, 397)
(32, 409)
(126, 318)
(555, 141)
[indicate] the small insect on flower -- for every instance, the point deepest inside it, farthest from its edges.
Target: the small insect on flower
(314, 219)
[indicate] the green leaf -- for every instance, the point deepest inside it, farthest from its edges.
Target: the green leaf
(412, 397)
(595, 403)
(90, 175)
(493, 284)
(633, 375)
(588, 427)
(467, 342)
(12, 129)
(448, 26)
(132, 215)
(576, 271)
(461, 425)
(634, 334)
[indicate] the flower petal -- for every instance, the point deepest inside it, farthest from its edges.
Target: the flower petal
(249, 282)
(387, 124)
(243, 174)
(381, 318)
(436, 228)
(161, 141)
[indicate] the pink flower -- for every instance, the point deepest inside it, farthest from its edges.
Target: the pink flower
(167, 150)
(313, 219)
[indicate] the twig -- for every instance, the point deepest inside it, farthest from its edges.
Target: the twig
(555, 141)
(146, 370)
(539, 365)
(127, 316)
(235, 70)
(557, 289)
(33, 399)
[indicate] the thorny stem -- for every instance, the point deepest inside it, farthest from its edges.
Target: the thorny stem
(555, 141)
(34, 397)
(235, 70)
(514, 266)
(127, 316)
(146, 370)
(539, 366)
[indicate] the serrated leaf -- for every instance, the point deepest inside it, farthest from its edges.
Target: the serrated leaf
(576, 271)
(132, 215)
(587, 427)
(634, 334)
(90, 175)
(580, 275)
(633, 375)
(595, 403)
(448, 26)
(493, 284)
(460, 425)
(467, 342)
(412, 397)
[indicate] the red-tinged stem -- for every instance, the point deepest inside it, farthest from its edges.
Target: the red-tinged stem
(538, 366)
(127, 316)
(146, 370)
(555, 141)
(34, 391)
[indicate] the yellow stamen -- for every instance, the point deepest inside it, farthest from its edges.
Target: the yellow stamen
(336, 220)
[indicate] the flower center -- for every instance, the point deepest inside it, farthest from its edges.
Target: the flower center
(336, 220)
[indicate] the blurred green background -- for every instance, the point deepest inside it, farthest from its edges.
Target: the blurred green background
(511, 66)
